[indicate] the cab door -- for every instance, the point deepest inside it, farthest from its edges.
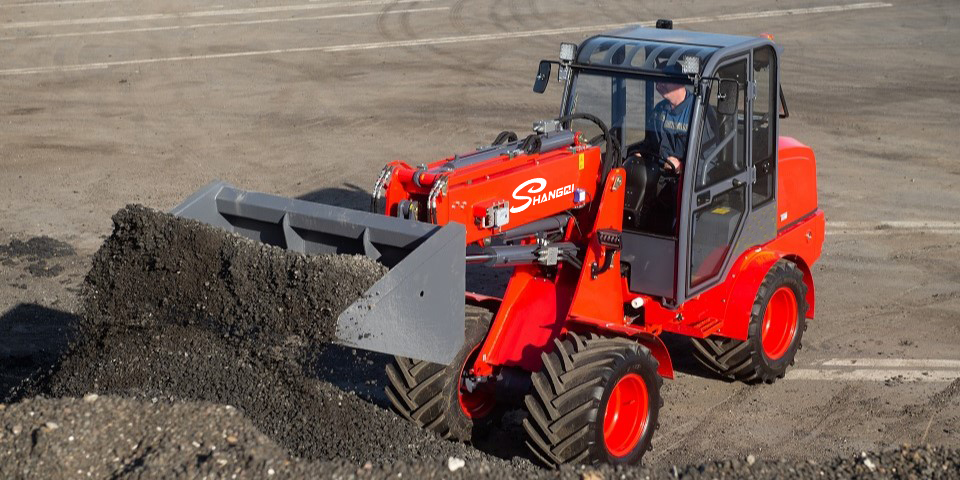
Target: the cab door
(720, 185)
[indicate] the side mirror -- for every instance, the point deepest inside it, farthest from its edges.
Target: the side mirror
(543, 77)
(728, 93)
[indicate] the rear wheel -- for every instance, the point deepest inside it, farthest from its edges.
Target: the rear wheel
(436, 397)
(596, 400)
(777, 323)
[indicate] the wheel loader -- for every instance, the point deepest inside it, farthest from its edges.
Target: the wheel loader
(610, 244)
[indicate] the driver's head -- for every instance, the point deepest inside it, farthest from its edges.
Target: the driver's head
(666, 88)
(675, 93)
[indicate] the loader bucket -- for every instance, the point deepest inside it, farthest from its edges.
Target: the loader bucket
(415, 310)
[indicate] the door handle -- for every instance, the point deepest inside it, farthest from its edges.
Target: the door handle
(737, 182)
(703, 198)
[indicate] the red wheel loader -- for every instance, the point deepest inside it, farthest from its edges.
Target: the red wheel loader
(609, 246)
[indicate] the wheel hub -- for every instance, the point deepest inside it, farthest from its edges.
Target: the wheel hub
(477, 400)
(779, 323)
(625, 418)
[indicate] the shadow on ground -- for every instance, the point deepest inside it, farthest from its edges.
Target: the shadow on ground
(32, 338)
(681, 354)
(349, 196)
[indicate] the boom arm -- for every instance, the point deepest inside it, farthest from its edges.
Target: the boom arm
(498, 189)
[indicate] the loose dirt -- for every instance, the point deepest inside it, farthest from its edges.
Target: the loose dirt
(176, 310)
(271, 384)
(112, 437)
(36, 248)
(36, 252)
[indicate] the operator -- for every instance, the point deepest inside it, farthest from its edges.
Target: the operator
(671, 122)
(668, 126)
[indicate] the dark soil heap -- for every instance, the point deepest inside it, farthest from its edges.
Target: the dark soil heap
(157, 269)
(174, 309)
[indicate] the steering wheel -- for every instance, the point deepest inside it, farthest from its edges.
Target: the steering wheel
(646, 152)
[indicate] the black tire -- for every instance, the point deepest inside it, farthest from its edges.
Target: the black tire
(747, 361)
(427, 393)
(570, 396)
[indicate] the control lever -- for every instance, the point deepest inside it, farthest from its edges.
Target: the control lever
(612, 242)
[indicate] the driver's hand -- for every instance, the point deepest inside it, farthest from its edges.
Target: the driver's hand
(673, 163)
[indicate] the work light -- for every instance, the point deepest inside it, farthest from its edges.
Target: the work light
(568, 51)
(690, 64)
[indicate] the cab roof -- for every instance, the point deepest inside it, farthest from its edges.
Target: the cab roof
(660, 50)
(719, 40)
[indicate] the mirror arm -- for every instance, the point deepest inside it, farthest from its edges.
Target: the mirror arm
(783, 104)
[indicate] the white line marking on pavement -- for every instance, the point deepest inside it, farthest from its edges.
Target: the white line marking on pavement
(201, 14)
(223, 24)
(872, 375)
(898, 224)
(437, 41)
(890, 232)
(892, 363)
(892, 227)
(55, 3)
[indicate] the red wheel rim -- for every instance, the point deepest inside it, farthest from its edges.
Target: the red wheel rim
(625, 418)
(779, 323)
(480, 402)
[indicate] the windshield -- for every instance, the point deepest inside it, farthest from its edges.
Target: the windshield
(646, 114)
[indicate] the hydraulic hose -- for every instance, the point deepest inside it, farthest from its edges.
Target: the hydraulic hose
(505, 137)
(612, 157)
(531, 144)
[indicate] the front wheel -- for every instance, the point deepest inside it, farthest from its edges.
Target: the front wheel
(777, 323)
(596, 400)
(436, 397)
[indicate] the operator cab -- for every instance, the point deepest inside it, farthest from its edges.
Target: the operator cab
(675, 97)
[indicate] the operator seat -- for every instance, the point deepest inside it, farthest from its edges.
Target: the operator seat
(642, 173)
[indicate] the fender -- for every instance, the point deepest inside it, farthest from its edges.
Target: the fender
(653, 342)
(811, 296)
(748, 273)
(659, 351)
(745, 279)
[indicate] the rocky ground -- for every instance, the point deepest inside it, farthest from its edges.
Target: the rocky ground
(114, 437)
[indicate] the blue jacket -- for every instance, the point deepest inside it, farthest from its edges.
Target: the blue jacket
(671, 126)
